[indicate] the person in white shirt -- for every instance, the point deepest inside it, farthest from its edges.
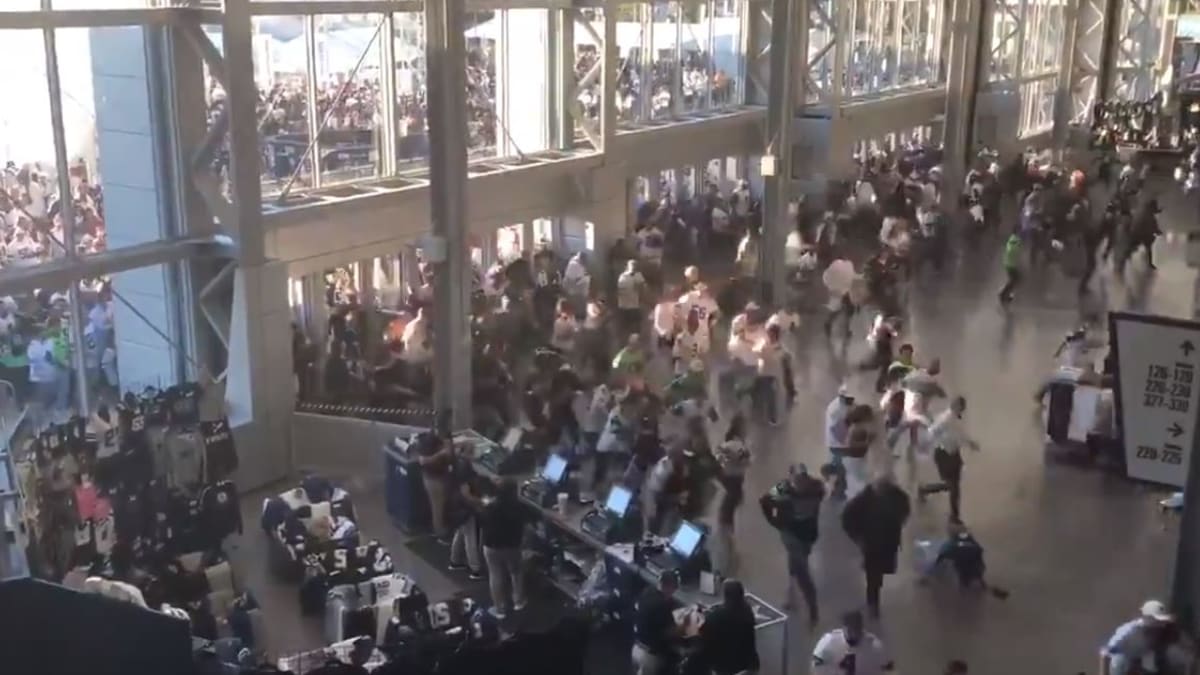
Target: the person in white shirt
(667, 318)
(577, 282)
(690, 344)
(629, 297)
(837, 433)
(701, 301)
(1136, 645)
(743, 362)
(747, 254)
(949, 436)
(850, 650)
(7, 320)
(773, 367)
(43, 371)
(660, 506)
(562, 337)
(417, 347)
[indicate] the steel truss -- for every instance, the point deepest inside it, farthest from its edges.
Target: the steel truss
(1139, 36)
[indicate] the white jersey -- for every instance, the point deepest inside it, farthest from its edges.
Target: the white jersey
(629, 290)
(703, 303)
(667, 318)
(834, 656)
(690, 346)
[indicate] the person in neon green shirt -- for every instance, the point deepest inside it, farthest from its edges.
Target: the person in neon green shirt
(1013, 248)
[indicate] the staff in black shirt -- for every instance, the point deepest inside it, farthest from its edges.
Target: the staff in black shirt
(503, 524)
(462, 504)
(654, 627)
(727, 637)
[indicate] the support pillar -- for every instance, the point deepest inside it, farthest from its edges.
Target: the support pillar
(137, 204)
(962, 86)
(789, 18)
(259, 388)
(445, 56)
(1063, 104)
(523, 72)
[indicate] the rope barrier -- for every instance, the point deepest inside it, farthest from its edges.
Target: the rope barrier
(366, 412)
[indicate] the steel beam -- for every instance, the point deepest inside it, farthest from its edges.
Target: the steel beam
(242, 100)
(789, 19)
(961, 88)
(445, 56)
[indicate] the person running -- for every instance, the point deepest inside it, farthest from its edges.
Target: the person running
(1012, 266)
(793, 507)
(949, 435)
(850, 650)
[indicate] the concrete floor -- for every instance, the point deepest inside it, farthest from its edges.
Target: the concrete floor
(1078, 549)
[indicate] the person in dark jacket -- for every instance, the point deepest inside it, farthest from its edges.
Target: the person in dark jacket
(727, 641)
(503, 525)
(794, 507)
(874, 519)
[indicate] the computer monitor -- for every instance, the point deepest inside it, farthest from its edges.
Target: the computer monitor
(686, 540)
(618, 501)
(555, 469)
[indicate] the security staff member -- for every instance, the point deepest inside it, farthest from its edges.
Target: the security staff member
(654, 627)
(727, 641)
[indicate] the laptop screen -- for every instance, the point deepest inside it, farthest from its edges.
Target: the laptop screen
(555, 469)
(618, 501)
(686, 540)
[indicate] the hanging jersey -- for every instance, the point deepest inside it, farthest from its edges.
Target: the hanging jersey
(103, 434)
(220, 457)
(131, 422)
(105, 535)
(220, 512)
(183, 404)
(154, 405)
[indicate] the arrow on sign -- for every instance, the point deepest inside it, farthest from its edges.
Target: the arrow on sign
(1175, 430)
(1187, 347)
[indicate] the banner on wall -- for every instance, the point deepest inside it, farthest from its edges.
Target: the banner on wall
(1157, 393)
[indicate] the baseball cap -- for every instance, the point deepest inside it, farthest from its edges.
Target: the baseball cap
(1155, 609)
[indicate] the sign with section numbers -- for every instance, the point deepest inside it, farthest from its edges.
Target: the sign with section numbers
(1157, 393)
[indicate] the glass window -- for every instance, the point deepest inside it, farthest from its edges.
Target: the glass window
(36, 352)
(20, 6)
(481, 33)
(632, 39)
(281, 71)
(589, 71)
(130, 337)
(523, 89)
(1005, 41)
(32, 232)
(728, 61)
(349, 104)
(696, 56)
(664, 64)
(820, 54)
(412, 130)
(110, 129)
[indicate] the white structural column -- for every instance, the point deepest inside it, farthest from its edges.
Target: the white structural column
(962, 81)
(136, 203)
(259, 390)
(523, 87)
(446, 61)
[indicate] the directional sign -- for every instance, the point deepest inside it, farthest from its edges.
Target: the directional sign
(1157, 393)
